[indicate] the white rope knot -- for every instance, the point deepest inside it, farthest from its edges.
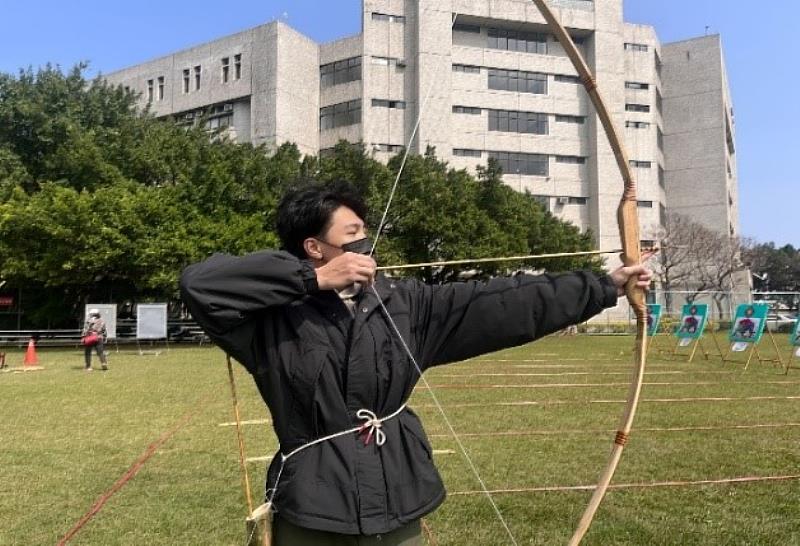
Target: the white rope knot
(372, 426)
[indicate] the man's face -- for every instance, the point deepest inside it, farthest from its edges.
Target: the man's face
(345, 227)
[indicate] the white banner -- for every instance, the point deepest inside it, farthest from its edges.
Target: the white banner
(151, 321)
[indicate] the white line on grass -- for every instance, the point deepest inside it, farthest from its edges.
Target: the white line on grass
(645, 400)
(564, 374)
(722, 481)
(586, 359)
(587, 385)
(249, 422)
(606, 431)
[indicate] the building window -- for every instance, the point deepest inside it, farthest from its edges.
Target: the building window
(340, 115)
(647, 243)
(149, 90)
(518, 81)
(662, 177)
(384, 103)
(637, 125)
(467, 68)
(387, 61)
(560, 118)
(197, 72)
(519, 163)
(641, 48)
(644, 204)
(188, 118)
(509, 121)
(220, 116)
(389, 148)
(637, 107)
(186, 74)
(471, 110)
(564, 78)
(640, 164)
(160, 88)
(513, 40)
(571, 159)
(577, 200)
(226, 69)
(237, 66)
(473, 29)
(637, 85)
(388, 18)
(346, 70)
(660, 139)
(466, 152)
(543, 200)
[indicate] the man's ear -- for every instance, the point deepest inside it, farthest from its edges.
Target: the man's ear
(312, 248)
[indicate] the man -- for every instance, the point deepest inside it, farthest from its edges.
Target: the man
(95, 326)
(307, 324)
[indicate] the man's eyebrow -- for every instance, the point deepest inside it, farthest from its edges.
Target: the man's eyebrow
(355, 225)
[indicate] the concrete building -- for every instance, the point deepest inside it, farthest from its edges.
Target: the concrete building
(699, 134)
(490, 81)
(262, 84)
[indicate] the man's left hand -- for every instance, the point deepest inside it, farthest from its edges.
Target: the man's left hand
(621, 275)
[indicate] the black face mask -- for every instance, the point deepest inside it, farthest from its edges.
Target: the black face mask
(362, 246)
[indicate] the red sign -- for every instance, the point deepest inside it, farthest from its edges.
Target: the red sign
(6, 301)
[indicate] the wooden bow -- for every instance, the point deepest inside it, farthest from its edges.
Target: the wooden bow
(628, 219)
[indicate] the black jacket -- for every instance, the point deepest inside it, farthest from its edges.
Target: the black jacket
(315, 367)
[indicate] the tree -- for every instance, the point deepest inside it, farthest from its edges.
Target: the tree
(778, 268)
(686, 249)
(698, 260)
(58, 124)
(442, 214)
(101, 201)
(723, 262)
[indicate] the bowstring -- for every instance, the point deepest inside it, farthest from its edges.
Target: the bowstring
(399, 335)
(446, 419)
(406, 153)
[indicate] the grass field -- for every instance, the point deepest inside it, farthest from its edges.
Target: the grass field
(68, 436)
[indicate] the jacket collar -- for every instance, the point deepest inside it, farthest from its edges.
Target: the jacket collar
(367, 302)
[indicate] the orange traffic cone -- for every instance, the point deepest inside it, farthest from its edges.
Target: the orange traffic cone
(31, 359)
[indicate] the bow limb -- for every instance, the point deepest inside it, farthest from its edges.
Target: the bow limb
(628, 220)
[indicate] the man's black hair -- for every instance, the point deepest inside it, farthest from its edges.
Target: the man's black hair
(307, 211)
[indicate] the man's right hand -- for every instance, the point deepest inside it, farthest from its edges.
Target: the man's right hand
(342, 271)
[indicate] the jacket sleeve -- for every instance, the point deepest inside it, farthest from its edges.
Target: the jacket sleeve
(457, 321)
(227, 294)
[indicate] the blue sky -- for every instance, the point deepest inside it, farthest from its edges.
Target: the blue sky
(757, 42)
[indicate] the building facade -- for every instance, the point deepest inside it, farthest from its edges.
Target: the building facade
(480, 80)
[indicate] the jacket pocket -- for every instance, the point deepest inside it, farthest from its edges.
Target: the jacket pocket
(413, 427)
(304, 373)
(414, 483)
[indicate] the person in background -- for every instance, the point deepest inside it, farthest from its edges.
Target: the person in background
(95, 324)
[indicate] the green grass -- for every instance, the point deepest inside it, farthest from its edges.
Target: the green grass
(67, 436)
